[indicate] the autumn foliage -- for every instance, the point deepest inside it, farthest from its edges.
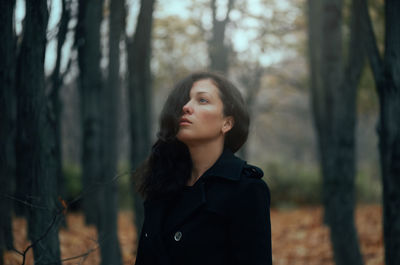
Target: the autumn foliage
(298, 237)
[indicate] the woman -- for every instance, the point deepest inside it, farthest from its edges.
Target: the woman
(203, 205)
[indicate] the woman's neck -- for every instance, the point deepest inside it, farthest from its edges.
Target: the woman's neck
(203, 157)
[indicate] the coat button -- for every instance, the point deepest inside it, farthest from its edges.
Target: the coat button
(178, 236)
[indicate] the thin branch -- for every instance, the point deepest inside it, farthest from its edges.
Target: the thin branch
(25, 202)
(214, 11)
(83, 255)
(17, 251)
(79, 197)
(62, 75)
(58, 213)
(228, 10)
(97, 185)
(41, 237)
(370, 42)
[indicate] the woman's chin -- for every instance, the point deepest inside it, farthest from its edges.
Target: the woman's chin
(184, 138)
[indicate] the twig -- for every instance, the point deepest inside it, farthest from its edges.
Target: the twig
(58, 213)
(83, 255)
(40, 238)
(95, 186)
(17, 251)
(25, 202)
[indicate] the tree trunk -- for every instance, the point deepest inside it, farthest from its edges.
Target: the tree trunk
(387, 80)
(7, 121)
(139, 85)
(108, 199)
(54, 96)
(251, 80)
(88, 44)
(334, 108)
(35, 139)
(389, 133)
(218, 51)
(23, 180)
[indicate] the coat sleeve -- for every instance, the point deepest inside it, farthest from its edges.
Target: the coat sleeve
(250, 227)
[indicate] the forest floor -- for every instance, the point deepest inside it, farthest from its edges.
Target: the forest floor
(298, 238)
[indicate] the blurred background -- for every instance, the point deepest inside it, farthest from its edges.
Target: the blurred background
(83, 83)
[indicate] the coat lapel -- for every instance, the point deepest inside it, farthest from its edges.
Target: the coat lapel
(186, 206)
(155, 215)
(155, 212)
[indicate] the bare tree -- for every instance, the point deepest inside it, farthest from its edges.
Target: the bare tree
(87, 40)
(218, 50)
(250, 78)
(333, 97)
(35, 140)
(108, 199)
(7, 121)
(139, 86)
(56, 82)
(387, 81)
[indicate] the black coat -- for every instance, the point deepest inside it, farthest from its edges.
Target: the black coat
(222, 219)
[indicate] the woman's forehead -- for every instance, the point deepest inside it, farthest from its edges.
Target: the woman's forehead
(204, 86)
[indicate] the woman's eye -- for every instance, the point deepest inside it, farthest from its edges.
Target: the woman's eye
(203, 100)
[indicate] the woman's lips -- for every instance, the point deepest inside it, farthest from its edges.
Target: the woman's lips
(184, 121)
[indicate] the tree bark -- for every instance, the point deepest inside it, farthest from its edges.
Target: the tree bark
(333, 91)
(251, 80)
(387, 80)
(7, 121)
(23, 180)
(35, 140)
(218, 50)
(54, 96)
(88, 44)
(389, 133)
(139, 86)
(108, 199)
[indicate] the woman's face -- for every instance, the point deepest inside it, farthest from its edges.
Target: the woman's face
(202, 118)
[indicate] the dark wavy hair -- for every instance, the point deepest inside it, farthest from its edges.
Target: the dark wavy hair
(169, 165)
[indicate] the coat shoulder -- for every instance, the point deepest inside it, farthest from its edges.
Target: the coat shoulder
(250, 171)
(223, 194)
(252, 182)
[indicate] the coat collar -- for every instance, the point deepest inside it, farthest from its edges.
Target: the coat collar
(228, 166)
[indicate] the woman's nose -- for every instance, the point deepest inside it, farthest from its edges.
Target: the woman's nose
(187, 109)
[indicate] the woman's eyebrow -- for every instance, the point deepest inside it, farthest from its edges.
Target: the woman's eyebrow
(192, 94)
(202, 92)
